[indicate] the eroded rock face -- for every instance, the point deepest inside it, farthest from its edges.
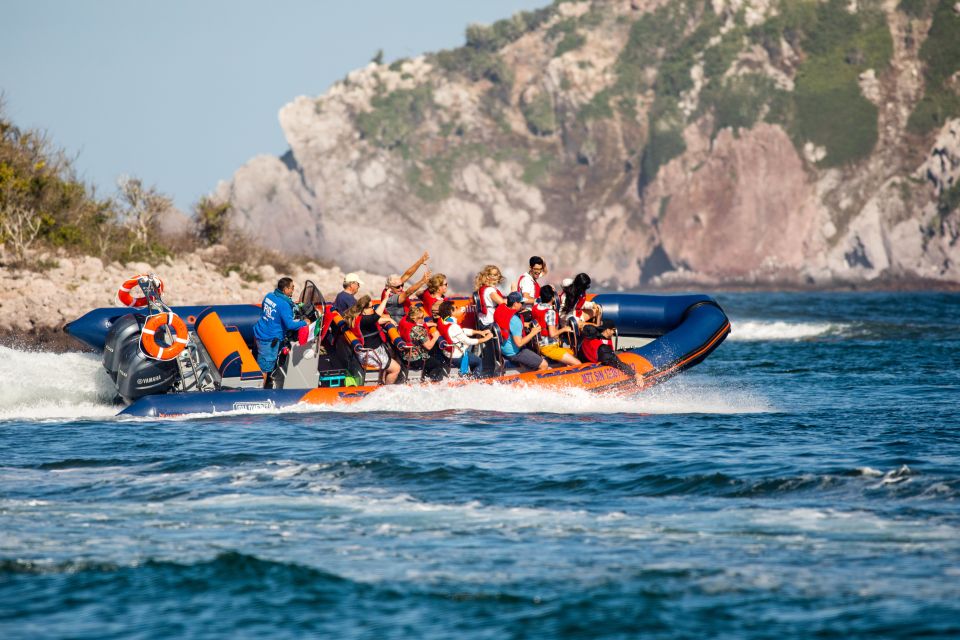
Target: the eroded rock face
(745, 210)
(474, 182)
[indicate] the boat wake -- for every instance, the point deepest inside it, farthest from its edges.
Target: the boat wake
(774, 330)
(38, 385)
(45, 386)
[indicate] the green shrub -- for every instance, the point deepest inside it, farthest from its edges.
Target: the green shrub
(718, 58)
(211, 218)
(828, 107)
(598, 108)
(539, 114)
(740, 101)
(831, 112)
(570, 42)
(949, 200)
(915, 8)
(941, 56)
(534, 170)
(395, 117)
(665, 140)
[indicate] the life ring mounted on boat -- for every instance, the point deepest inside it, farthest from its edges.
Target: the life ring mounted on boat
(177, 328)
(128, 298)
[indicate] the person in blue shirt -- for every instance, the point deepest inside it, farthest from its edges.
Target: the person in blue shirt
(347, 298)
(514, 346)
(276, 318)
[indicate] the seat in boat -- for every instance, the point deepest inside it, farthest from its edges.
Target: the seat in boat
(228, 352)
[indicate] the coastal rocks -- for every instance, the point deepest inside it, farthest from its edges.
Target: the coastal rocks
(942, 167)
(717, 216)
(30, 302)
(540, 153)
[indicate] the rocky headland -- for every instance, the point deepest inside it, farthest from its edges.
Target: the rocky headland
(649, 142)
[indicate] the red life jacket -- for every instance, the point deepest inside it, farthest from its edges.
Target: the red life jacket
(591, 346)
(536, 285)
(482, 303)
(577, 307)
(428, 300)
(443, 326)
(404, 328)
(359, 334)
(502, 317)
(540, 315)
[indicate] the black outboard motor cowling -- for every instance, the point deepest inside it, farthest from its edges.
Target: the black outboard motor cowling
(123, 331)
(138, 375)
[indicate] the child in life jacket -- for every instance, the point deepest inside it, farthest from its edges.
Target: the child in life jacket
(545, 314)
(597, 346)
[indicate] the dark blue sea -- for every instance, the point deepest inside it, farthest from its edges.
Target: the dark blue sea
(802, 482)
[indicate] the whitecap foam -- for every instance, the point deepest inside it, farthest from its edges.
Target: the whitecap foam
(772, 330)
(675, 396)
(39, 385)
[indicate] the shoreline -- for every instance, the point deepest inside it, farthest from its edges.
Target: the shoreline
(53, 338)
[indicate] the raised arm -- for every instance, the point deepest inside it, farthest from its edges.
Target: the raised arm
(413, 268)
(419, 284)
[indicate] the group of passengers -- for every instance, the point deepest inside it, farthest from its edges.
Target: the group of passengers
(534, 323)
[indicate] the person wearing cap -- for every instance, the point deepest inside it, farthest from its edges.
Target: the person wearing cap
(515, 335)
(597, 346)
(347, 298)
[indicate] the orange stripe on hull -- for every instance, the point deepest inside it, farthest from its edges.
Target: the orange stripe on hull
(592, 377)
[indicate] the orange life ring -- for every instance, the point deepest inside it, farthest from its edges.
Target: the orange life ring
(148, 340)
(127, 298)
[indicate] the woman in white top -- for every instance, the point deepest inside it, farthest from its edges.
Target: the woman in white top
(460, 338)
(485, 286)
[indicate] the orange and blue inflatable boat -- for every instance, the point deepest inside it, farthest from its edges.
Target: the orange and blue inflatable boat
(658, 335)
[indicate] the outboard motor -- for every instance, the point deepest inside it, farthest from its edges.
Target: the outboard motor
(123, 331)
(138, 376)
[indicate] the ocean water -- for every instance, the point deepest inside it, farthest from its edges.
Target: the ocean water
(802, 482)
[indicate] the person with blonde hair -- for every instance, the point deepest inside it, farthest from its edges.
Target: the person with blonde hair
(435, 293)
(487, 295)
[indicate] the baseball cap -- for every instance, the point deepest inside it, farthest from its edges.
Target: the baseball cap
(352, 277)
(514, 297)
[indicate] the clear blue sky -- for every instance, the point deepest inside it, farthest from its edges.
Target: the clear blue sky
(181, 93)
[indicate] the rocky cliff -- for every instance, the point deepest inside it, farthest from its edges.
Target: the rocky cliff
(644, 141)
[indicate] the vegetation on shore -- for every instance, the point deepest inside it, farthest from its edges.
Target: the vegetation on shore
(822, 48)
(45, 209)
